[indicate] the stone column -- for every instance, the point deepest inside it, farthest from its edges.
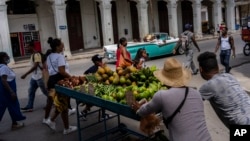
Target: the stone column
(142, 7)
(59, 8)
(107, 26)
(5, 44)
(172, 17)
(217, 13)
(197, 18)
(237, 16)
(230, 15)
(45, 15)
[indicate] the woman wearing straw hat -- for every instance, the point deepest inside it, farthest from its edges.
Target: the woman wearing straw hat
(181, 107)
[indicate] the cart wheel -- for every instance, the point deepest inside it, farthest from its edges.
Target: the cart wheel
(121, 127)
(246, 50)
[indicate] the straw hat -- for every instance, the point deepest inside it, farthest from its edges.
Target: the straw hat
(173, 74)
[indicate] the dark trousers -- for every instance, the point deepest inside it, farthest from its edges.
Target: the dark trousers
(225, 58)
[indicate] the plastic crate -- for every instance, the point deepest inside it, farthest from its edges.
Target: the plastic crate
(245, 34)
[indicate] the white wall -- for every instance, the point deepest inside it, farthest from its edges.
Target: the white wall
(46, 23)
(89, 24)
(16, 22)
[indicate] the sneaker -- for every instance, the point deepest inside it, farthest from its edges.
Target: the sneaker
(83, 116)
(229, 69)
(107, 116)
(70, 130)
(72, 111)
(45, 120)
(17, 126)
(51, 124)
(25, 109)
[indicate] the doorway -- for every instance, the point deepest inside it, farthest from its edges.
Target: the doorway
(74, 21)
(163, 16)
(134, 21)
(187, 13)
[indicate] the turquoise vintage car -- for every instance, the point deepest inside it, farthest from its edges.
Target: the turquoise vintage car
(160, 45)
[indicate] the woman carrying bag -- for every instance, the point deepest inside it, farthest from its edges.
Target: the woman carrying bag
(58, 69)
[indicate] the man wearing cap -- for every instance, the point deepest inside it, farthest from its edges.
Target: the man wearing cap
(189, 49)
(227, 97)
(97, 60)
(180, 102)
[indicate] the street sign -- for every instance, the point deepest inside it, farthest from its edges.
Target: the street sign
(62, 27)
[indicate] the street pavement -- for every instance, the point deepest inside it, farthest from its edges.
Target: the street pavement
(36, 131)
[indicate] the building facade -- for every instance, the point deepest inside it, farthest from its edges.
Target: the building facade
(84, 24)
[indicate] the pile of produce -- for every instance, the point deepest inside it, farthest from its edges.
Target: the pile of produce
(113, 85)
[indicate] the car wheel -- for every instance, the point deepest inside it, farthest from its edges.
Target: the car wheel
(180, 51)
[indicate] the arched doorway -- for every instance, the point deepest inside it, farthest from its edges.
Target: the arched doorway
(187, 13)
(73, 13)
(114, 22)
(134, 20)
(163, 16)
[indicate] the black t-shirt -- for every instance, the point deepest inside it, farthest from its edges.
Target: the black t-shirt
(92, 69)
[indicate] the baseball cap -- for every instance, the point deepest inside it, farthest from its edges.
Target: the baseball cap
(188, 26)
(96, 57)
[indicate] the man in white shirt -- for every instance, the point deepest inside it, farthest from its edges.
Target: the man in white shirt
(226, 44)
(36, 78)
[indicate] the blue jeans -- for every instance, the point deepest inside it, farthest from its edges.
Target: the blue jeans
(224, 59)
(34, 84)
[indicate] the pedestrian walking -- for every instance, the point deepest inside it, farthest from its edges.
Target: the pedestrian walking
(181, 107)
(58, 69)
(8, 93)
(227, 97)
(187, 42)
(37, 67)
(226, 44)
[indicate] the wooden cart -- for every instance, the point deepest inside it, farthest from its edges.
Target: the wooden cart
(117, 108)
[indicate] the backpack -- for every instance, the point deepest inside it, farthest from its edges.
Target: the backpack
(43, 57)
(185, 41)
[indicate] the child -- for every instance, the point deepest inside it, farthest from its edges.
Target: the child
(140, 58)
(97, 60)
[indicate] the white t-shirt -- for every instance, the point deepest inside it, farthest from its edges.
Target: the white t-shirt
(143, 62)
(5, 70)
(55, 60)
(37, 73)
(225, 45)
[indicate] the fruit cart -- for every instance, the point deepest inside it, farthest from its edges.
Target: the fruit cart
(117, 108)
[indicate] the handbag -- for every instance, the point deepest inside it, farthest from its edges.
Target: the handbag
(170, 118)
